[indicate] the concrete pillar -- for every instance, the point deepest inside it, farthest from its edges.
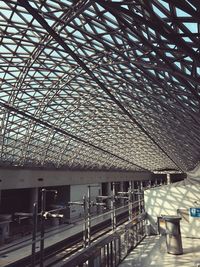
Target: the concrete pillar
(100, 190)
(5, 227)
(138, 190)
(62, 199)
(132, 189)
(134, 196)
(113, 207)
(109, 193)
(109, 189)
(122, 190)
(33, 197)
(168, 178)
(141, 185)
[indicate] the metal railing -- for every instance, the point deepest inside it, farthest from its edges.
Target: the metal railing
(110, 250)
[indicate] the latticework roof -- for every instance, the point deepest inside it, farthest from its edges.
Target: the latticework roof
(100, 84)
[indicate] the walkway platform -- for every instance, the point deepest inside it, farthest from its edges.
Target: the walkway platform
(152, 252)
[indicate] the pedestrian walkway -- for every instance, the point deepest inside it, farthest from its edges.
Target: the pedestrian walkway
(152, 252)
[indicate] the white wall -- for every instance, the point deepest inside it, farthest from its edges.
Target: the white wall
(166, 200)
(76, 194)
(26, 178)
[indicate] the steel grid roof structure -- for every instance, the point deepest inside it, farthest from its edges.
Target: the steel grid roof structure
(108, 85)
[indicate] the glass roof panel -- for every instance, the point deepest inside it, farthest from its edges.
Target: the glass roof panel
(103, 85)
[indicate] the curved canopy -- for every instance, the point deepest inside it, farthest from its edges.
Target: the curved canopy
(100, 84)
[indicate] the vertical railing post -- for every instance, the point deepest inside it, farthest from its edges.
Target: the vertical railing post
(89, 216)
(35, 211)
(111, 254)
(113, 213)
(130, 201)
(140, 197)
(43, 207)
(85, 221)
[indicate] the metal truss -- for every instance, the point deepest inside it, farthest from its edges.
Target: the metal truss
(108, 85)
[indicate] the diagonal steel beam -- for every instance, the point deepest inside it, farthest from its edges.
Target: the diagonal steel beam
(119, 12)
(61, 42)
(62, 131)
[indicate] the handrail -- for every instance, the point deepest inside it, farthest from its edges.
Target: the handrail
(85, 254)
(27, 242)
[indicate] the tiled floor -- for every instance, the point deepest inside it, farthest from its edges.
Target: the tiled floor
(152, 252)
